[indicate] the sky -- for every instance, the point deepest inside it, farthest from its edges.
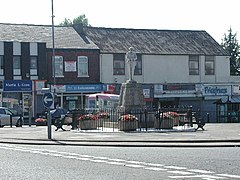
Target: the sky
(214, 16)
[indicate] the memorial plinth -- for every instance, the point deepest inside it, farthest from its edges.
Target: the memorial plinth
(131, 97)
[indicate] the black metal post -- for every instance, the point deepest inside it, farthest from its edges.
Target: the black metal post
(145, 113)
(10, 120)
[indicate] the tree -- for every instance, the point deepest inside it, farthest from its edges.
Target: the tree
(78, 20)
(230, 44)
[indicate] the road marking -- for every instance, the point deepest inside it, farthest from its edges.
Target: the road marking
(200, 171)
(229, 175)
(175, 167)
(181, 172)
(155, 169)
(204, 176)
(185, 174)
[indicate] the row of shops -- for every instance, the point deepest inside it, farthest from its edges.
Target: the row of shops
(221, 101)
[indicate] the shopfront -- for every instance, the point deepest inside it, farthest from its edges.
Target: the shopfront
(72, 97)
(17, 93)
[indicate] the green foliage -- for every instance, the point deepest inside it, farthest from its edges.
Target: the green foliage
(230, 44)
(82, 19)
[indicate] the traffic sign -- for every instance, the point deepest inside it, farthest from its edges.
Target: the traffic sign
(48, 100)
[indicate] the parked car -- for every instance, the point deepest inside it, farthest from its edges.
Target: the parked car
(5, 114)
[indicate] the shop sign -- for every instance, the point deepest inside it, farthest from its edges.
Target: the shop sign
(17, 85)
(85, 88)
(216, 90)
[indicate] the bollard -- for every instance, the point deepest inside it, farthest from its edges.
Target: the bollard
(145, 114)
(189, 114)
(208, 117)
(11, 121)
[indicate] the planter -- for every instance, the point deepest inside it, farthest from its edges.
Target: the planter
(87, 124)
(163, 123)
(128, 125)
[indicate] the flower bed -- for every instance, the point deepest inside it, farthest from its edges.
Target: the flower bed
(87, 122)
(128, 122)
(167, 120)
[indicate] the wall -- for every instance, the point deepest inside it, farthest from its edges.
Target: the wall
(72, 76)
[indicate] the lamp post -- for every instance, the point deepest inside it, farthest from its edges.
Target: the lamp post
(53, 53)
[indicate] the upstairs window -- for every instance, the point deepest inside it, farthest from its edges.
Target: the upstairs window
(16, 65)
(119, 64)
(209, 65)
(33, 65)
(58, 66)
(138, 67)
(82, 66)
(193, 65)
(1, 65)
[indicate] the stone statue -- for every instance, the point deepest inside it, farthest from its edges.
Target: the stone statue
(131, 58)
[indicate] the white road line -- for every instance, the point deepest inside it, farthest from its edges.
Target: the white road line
(200, 171)
(206, 177)
(175, 167)
(229, 175)
(115, 163)
(181, 172)
(155, 169)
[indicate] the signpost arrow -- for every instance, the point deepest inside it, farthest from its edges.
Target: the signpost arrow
(48, 100)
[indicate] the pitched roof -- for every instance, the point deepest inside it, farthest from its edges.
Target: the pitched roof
(64, 37)
(149, 41)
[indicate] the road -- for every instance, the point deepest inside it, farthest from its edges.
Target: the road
(76, 162)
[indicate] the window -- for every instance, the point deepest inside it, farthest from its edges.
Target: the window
(33, 62)
(1, 65)
(16, 65)
(58, 66)
(193, 65)
(138, 67)
(119, 64)
(209, 65)
(33, 65)
(82, 66)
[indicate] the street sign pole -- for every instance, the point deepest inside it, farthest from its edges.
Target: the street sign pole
(48, 102)
(49, 124)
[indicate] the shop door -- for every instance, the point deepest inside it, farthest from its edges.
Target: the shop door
(27, 103)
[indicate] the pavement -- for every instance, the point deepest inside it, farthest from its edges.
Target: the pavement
(214, 135)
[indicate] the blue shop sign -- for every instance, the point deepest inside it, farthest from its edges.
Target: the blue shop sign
(17, 85)
(85, 88)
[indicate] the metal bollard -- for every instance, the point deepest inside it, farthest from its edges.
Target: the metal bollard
(10, 120)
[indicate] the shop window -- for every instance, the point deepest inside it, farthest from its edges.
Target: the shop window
(82, 66)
